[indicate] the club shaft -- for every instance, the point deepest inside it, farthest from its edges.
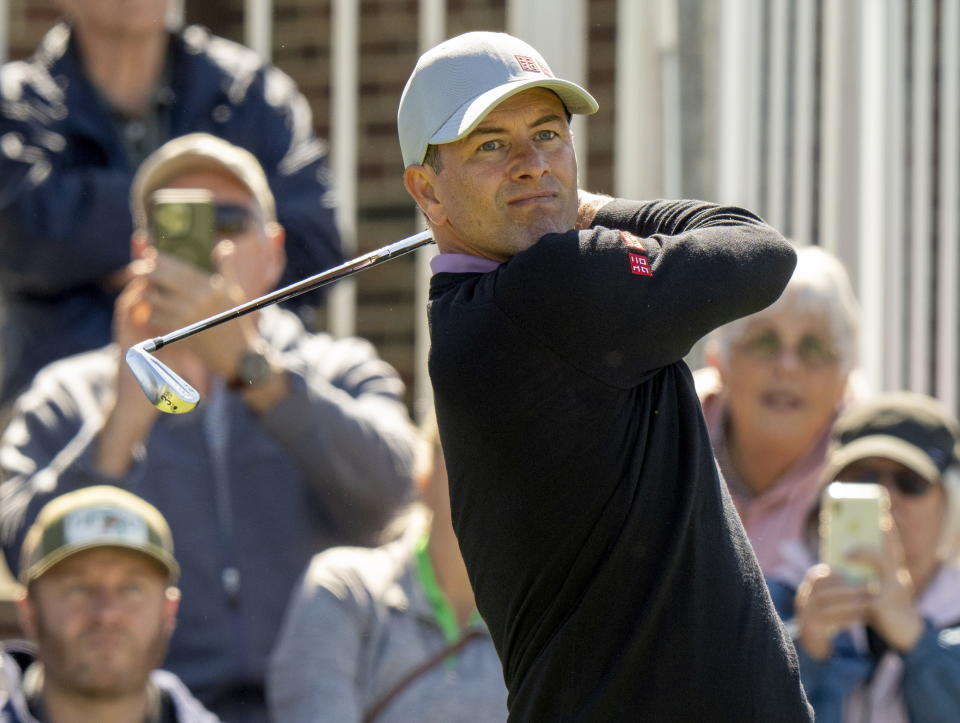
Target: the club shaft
(348, 268)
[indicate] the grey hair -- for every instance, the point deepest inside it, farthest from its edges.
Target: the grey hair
(820, 284)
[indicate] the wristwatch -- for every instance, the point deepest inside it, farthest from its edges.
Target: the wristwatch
(253, 370)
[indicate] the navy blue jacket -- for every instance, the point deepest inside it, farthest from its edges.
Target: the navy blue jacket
(65, 222)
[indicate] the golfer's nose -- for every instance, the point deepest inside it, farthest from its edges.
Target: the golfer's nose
(528, 161)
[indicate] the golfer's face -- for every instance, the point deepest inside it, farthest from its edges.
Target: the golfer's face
(510, 181)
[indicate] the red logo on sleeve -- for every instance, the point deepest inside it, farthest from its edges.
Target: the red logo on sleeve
(639, 264)
(637, 254)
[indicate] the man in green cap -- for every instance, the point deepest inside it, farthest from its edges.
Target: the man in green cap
(99, 604)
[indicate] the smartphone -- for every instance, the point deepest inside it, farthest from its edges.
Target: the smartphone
(182, 224)
(850, 518)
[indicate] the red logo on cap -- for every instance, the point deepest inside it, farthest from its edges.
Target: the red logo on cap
(527, 63)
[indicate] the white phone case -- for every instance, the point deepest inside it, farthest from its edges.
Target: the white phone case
(850, 516)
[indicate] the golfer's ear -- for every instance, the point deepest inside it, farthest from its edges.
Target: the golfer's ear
(420, 182)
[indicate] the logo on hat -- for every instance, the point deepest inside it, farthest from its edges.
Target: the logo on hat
(102, 524)
(531, 66)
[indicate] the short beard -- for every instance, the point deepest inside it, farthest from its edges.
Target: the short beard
(71, 677)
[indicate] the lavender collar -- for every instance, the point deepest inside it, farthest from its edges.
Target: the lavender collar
(461, 264)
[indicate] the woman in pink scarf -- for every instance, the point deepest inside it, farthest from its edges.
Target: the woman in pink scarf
(773, 387)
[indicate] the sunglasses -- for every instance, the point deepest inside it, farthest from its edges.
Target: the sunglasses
(812, 351)
(232, 219)
(908, 483)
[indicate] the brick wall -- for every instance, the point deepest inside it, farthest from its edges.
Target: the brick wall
(388, 37)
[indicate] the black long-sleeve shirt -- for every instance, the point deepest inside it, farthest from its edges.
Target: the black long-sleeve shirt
(606, 556)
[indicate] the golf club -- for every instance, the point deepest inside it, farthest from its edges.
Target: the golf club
(169, 393)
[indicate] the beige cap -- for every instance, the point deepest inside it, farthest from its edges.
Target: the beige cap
(455, 84)
(905, 427)
(198, 152)
(100, 516)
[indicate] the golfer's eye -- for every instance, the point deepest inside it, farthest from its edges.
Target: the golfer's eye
(546, 135)
(489, 146)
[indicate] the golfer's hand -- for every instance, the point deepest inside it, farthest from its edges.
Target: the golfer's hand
(891, 612)
(826, 604)
(589, 204)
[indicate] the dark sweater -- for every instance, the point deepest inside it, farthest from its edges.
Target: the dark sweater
(606, 556)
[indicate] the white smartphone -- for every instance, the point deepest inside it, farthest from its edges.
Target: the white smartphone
(850, 516)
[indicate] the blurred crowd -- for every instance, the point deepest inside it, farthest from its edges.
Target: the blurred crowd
(286, 552)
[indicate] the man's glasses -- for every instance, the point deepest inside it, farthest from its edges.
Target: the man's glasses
(812, 351)
(908, 483)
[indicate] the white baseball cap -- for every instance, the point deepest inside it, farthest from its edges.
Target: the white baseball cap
(458, 82)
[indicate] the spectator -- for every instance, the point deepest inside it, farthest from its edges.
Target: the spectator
(390, 634)
(100, 606)
(889, 651)
(303, 441)
(105, 88)
(774, 384)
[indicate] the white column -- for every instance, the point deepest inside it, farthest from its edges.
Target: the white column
(258, 27)
(948, 222)
(895, 178)
(343, 154)
(558, 29)
(921, 193)
(638, 114)
(668, 47)
(804, 122)
(839, 146)
(873, 200)
(738, 103)
(432, 28)
(4, 30)
(778, 85)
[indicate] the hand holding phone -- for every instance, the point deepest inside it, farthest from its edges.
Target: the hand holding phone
(182, 224)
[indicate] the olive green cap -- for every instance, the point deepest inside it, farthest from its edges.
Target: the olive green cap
(100, 516)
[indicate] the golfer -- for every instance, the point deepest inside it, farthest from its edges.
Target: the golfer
(606, 556)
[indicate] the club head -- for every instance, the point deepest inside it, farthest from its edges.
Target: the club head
(165, 390)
